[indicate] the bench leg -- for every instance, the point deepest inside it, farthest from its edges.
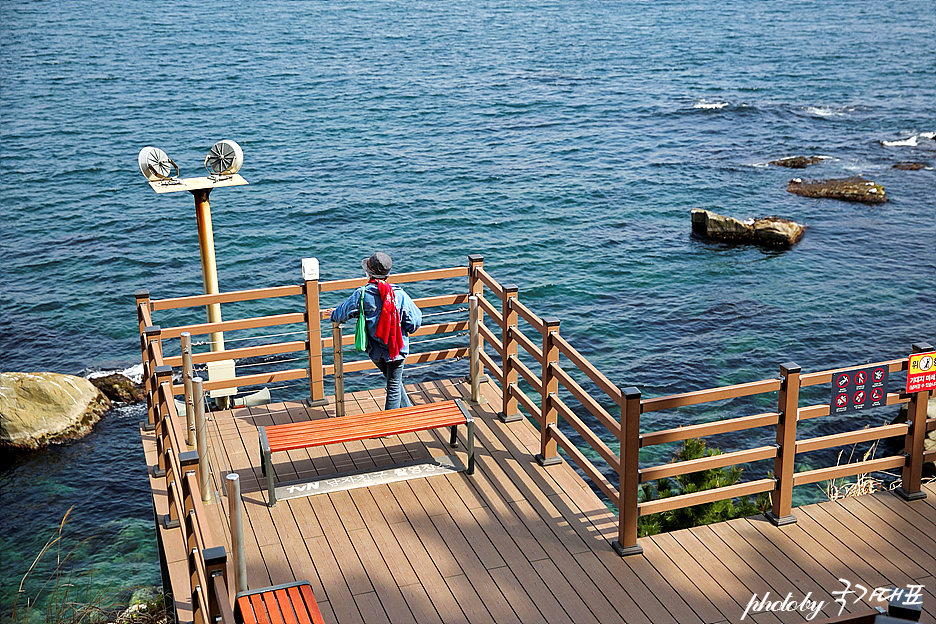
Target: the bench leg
(267, 467)
(453, 442)
(471, 458)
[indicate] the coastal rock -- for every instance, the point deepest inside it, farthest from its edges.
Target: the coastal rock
(39, 408)
(797, 162)
(768, 231)
(119, 388)
(855, 189)
(910, 166)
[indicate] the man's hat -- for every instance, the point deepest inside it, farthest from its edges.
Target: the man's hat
(378, 265)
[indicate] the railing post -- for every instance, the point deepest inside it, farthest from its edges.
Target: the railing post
(912, 473)
(201, 439)
(163, 376)
(510, 411)
(310, 277)
(475, 289)
(149, 339)
(474, 320)
(549, 452)
(629, 476)
(338, 359)
(215, 565)
(781, 512)
(188, 371)
(235, 513)
(142, 298)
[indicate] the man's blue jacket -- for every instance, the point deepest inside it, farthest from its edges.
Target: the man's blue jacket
(410, 318)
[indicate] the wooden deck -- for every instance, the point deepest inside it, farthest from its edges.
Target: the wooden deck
(516, 542)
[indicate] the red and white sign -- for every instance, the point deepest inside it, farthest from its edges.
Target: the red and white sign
(921, 372)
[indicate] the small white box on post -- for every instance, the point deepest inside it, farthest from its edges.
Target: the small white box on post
(220, 371)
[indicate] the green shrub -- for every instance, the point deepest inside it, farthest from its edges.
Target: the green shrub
(708, 513)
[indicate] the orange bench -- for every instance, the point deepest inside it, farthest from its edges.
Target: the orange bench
(292, 603)
(324, 431)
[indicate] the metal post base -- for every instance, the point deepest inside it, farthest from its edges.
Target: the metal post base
(482, 401)
(909, 496)
(780, 520)
(316, 403)
(146, 425)
(504, 418)
(168, 523)
(158, 472)
(548, 461)
(626, 551)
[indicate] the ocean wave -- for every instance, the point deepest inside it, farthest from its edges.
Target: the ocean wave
(911, 142)
(828, 112)
(133, 373)
(705, 104)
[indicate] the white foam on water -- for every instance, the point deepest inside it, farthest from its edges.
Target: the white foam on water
(710, 105)
(133, 373)
(911, 142)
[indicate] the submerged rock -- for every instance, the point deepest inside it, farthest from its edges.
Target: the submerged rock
(37, 409)
(910, 166)
(767, 231)
(117, 387)
(797, 162)
(855, 189)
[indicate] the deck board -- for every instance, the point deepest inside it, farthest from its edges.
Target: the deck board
(517, 542)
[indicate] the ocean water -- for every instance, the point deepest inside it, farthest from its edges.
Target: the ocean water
(565, 141)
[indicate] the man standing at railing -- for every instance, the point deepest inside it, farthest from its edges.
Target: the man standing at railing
(390, 317)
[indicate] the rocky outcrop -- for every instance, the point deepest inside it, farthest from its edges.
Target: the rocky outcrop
(855, 189)
(37, 409)
(119, 388)
(768, 231)
(797, 162)
(910, 166)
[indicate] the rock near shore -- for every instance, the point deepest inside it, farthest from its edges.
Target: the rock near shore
(855, 189)
(768, 231)
(37, 409)
(119, 388)
(797, 162)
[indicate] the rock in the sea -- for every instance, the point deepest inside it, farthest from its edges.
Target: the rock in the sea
(768, 231)
(855, 189)
(117, 387)
(910, 166)
(39, 408)
(797, 162)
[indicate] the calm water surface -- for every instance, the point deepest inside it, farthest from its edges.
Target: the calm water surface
(565, 141)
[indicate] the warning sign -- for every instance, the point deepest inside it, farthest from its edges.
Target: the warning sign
(858, 389)
(921, 372)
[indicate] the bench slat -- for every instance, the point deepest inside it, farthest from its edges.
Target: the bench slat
(296, 598)
(312, 605)
(272, 608)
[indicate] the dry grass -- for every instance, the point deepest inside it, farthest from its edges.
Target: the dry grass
(66, 597)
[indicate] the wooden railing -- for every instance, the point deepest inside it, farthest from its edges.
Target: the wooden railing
(186, 524)
(311, 316)
(547, 362)
(510, 344)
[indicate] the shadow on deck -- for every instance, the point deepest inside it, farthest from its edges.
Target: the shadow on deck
(516, 542)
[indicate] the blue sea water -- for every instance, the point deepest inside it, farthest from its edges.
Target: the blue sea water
(566, 141)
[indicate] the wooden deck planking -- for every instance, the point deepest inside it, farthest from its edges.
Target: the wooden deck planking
(516, 542)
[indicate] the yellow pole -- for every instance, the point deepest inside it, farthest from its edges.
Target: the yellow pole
(209, 266)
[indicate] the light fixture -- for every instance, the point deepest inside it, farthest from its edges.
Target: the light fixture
(224, 159)
(156, 165)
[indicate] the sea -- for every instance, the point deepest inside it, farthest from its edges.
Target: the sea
(566, 141)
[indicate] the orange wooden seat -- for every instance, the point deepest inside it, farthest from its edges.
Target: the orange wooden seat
(292, 603)
(324, 431)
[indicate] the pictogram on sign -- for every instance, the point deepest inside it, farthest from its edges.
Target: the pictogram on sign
(921, 372)
(859, 389)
